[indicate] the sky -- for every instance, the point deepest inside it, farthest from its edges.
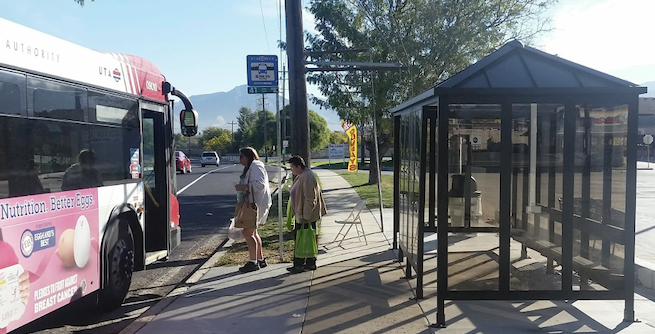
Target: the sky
(201, 45)
(613, 36)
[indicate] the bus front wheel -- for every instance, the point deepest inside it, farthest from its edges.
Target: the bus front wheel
(118, 265)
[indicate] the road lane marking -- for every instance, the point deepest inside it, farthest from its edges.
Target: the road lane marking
(201, 176)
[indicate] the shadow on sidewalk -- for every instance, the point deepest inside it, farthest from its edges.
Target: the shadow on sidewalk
(357, 294)
(362, 294)
(520, 317)
(334, 189)
(178, 263)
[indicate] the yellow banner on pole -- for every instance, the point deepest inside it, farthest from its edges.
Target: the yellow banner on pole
(352, 136)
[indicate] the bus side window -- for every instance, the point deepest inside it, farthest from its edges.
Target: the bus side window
(18, 173)
(57, 133)
(115, 136)
(9, 99)
(55, 100)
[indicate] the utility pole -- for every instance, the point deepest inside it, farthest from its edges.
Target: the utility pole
(283, 115)
(232, 133)
(297, 83)
(265, 143)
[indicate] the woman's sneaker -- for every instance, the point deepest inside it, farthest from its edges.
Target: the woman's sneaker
(262, 263)
(248, 267)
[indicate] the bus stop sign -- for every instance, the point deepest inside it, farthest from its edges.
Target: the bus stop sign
(262, 70)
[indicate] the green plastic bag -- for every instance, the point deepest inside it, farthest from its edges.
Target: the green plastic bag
(306, 242)
(290, 217)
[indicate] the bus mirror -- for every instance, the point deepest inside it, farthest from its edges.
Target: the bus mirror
(189, 122)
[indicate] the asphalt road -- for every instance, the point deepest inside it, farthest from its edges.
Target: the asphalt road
(207, 200)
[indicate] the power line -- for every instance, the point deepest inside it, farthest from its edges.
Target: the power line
(261, 8)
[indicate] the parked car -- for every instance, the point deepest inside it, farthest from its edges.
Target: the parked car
(182, 162)
(209, 158)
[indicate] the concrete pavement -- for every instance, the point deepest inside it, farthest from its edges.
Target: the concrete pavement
(359, 288)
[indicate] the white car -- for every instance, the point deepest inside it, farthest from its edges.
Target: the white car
(209, 158)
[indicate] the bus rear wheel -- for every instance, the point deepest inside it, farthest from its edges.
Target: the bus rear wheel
(119, 265)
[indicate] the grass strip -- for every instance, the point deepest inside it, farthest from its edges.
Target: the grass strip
(237, 254)
(338, 164)
(369, 192)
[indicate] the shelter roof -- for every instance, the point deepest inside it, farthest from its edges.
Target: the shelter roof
(517, 68)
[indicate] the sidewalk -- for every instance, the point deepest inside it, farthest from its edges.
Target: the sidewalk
(356, 289)
(359, 288)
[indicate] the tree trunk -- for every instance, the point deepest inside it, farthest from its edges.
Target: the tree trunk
(373, 175)
(385, 145)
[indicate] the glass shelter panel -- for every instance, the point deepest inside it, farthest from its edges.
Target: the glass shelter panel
(410, 155)
(536, 228)
(473, 196)
(599, 197)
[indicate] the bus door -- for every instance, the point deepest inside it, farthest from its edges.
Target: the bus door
(156, 159)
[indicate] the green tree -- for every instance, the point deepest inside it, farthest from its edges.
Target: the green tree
(246, 121)
(338, 137)
(219, 143)
(432, 39)
(81, 2)
(183, 143)
(263, 123)
(319, 133)
(211, 132)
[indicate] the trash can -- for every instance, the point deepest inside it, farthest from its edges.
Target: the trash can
(457, 202)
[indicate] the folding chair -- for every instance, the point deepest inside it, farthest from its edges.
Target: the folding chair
(353, 219)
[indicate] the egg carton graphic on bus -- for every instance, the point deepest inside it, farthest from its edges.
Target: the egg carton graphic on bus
(48, 253)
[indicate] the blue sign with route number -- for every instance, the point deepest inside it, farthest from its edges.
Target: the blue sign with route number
(262, 70)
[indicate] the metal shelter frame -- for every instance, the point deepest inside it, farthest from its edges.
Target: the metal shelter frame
(561, 138)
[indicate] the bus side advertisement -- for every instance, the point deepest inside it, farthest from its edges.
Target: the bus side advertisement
(49, 253)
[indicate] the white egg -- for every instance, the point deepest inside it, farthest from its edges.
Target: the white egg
(82, 242)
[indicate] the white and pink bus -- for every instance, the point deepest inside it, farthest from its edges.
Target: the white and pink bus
(87, 173)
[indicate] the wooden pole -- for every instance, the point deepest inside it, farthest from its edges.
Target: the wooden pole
(297, 85)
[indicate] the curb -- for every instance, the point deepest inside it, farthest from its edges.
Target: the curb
(152, 312)
(645, 274)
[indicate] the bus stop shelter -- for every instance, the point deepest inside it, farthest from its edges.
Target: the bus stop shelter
(522, 167)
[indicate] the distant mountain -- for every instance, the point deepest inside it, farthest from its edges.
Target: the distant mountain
(651, 89)
(222, 108)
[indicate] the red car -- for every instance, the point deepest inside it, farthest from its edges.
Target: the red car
(182, 162)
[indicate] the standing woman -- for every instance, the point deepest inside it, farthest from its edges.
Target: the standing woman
(307, 204)
(253, 186)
